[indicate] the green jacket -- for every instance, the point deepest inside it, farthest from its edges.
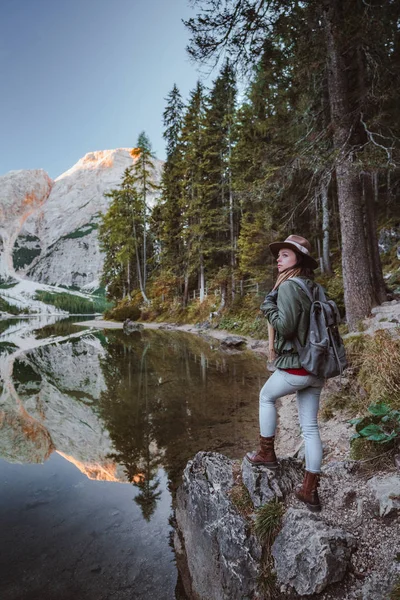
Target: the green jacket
(289, 317)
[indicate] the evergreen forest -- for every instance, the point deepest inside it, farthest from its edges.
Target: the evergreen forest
(298, 132)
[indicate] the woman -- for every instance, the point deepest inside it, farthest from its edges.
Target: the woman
(287, 309)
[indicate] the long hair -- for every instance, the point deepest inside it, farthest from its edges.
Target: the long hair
(305, 271)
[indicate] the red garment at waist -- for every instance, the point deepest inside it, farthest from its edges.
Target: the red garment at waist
(297, 371)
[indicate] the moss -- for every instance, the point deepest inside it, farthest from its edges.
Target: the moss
(240, 497)
(372, 456)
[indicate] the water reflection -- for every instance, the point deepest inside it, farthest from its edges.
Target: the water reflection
(127, 410)
(120, 407)
(168, 395)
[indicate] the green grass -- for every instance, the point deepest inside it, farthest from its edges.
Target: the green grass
(268, 521)
(74, 304)
(6, 285)
(9, 308)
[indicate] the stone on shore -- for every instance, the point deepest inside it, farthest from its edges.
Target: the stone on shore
(222, 556)
(309, 554)
(233, 341)
(132, 326)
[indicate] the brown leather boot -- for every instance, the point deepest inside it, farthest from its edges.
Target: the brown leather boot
(308, 492)
(266, 455)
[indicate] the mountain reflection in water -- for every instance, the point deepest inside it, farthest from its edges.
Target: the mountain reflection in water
(127, 409)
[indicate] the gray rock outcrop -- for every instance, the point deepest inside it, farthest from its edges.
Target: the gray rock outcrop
(308, 554)
(132, 326)
(233, 341)
(223, 558)
(378, 587)
(386, 490)
(266, 484)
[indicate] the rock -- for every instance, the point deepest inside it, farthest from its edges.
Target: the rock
(397, 461)
(388, 238)
(379, 585)
(167, 327)
(266, 484)
(233, 341)
(131, 326)
(222, 555)
(309, 554)
(386, 490)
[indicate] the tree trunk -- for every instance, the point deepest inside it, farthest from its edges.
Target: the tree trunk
(372, 239)
(139, 270)
(129, 277)
(326, 261)
(201, 278)
(231, 220)
(359, 294)
(144, 227)
(186, 289)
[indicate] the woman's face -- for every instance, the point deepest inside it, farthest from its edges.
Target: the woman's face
(286, 259)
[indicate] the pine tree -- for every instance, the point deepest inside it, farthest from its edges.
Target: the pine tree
(120, 234)
(142, 177)
(169, 217)
(194, 213)
(222, 229)
(340, 99)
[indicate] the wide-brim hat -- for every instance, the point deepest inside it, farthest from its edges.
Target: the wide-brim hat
(299, 245)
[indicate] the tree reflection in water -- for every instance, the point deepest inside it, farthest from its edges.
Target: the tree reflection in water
(169, 395)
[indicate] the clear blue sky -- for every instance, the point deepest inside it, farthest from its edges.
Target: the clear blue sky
(85, 75)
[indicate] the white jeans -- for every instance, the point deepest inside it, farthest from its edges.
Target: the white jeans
(308, 390)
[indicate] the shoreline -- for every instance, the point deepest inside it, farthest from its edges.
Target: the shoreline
(258, 346)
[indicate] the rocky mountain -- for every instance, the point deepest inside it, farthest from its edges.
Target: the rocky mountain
(48, 229)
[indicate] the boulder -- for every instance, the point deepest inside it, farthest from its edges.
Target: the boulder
(388, 238)
(131, 326)
(222, 556)
(380, 585)
(233, 341)
(266, 484)
(309, 554)
(386, 491)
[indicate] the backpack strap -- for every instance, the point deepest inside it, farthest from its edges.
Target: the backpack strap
(317, 294)
(304, 287)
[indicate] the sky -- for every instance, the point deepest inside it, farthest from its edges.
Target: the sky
(85, 75)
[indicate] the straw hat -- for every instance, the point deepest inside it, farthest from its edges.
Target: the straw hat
(299, 245)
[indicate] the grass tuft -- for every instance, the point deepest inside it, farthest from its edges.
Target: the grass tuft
(268, 521)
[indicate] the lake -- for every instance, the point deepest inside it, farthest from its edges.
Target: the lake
(96, 428)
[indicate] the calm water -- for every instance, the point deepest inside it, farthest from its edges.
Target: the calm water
(95, 431)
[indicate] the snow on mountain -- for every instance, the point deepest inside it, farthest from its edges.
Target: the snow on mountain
(48, 229)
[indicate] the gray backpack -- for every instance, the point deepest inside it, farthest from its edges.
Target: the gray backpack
(323, 354)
